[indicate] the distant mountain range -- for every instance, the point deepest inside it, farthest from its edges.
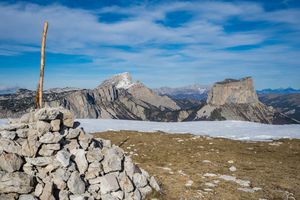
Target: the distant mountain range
(279, 91)
(119, 97)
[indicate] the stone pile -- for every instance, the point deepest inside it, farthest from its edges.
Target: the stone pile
(45, 155)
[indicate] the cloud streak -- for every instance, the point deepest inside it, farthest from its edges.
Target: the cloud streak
(143, 42)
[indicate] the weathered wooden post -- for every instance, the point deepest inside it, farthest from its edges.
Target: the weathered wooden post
(39, 91)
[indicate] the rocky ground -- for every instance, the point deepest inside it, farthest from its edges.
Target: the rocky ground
(194, 167)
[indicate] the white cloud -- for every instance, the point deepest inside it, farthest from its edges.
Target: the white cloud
(204, 39)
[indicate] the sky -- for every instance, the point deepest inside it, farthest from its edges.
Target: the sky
(160, 43)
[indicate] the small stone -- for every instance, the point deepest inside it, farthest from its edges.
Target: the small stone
(18, 182)
(84, 139)
(112, 161)
(125, 183)
(8, 134)
(31, 146)
(109, 183)
(154, 184)
(38, 189)
(47, 193)
(63, 157)
(68, 118)
(232, 168)
(94, 170)
(27, 197)
(47, 114)
(22, 133)
(49, 138)
(76, 184)
(10, 146)
(94, 155)
(63, 195)
(78, 197)
(80, 160)
(39, 161)
(10, 162)
(43, 127)
(55, 125)
(109, 197)
(145, 191)
(73, 144)
(73, 133)
(48, 149)
(139, 180)
(10, 196)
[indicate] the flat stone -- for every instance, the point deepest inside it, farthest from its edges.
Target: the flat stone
(49, 138)
(8, 134)
(63, 195)
(10, 162)
(63, 156)
(38, 189)
(27, 197)
(76, 184)
(72, 144)
(139, 180)
(109, 183)
(31, 146)
(94, 155)
(94, 170)
(145, 191)
(73, 133)
(39, 161)
(10, 146)
(47, 193)
(125, 183)
(78, 197)
(18, 182)
(43, 127)
(80, 160)
(109, 197)
(68, 118)
(47, 114)
(112, 161)
(84, 139)
(48, 149)
(22, 133)
(55, 125)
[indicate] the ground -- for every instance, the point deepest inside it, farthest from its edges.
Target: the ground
(198, 167)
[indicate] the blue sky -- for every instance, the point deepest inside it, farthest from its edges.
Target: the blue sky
(161, 43)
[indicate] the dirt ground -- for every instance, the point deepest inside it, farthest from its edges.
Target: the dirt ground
(191, 167)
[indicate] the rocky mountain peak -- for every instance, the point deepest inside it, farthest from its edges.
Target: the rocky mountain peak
(120, 81)
(233, 91)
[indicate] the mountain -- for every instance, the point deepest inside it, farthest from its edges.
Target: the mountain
(288, 104)
(279, 91)
(8, 90)
(117, 98)
(194, 92)
(237, 100)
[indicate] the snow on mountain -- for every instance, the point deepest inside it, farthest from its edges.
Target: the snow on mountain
(122, 80)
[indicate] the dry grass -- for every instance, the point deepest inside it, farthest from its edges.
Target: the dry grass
(175, 159)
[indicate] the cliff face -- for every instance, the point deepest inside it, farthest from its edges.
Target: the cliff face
(118, 98)
(235, 100)
(233, 91)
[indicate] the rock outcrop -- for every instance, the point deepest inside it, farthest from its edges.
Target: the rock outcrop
(116, 98)
(45, 155)
(231, 91)
(235, 100)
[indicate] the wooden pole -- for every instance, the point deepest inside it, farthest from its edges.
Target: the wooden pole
(39, 91)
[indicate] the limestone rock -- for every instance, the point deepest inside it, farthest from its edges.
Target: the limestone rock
(39, 161)
(55, 125)
(43, 127)
(154, 184)
(49, 138)
(8, 134)
(10, 146)
(94, 155)
(80, 160)
(48, 149)
(63, 157)
(68, 118)
(73, 133)
(27, 197)
(109, 183)
(112, 160)
(17, 182)
(38, 189)
(10, 162)
(47, 114)
(139, 180)
(47, 193)
(76, 184)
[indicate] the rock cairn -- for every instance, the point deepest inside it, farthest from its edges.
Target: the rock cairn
(45, 155)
